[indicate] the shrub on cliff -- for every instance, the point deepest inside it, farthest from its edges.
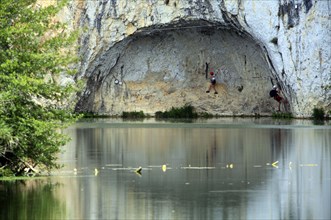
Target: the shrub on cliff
(285, 115)
(186, 111)
(318, 114)
(133, 115)
(34, 51)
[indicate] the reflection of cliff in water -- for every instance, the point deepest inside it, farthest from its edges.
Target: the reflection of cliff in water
(224, 169)
(252, 183)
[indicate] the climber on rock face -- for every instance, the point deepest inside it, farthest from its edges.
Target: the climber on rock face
(212, 83)
(275, 93)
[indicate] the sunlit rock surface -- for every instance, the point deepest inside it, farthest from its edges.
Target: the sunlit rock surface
(151, 55)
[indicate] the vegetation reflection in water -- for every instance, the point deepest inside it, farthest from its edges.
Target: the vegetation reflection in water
(31, 199)
(217, 170)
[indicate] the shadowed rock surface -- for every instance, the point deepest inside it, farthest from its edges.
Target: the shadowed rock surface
(157, 70)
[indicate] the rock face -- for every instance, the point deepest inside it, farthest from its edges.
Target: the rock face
(151, 55)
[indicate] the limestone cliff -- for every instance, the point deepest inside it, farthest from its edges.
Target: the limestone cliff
(151, 55)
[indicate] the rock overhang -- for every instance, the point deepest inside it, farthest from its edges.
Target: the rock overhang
(281, 29)
(164, 66)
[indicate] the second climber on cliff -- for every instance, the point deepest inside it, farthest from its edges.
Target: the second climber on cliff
(212, 83)
(275, 93)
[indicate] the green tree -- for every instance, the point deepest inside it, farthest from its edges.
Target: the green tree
(35, 50)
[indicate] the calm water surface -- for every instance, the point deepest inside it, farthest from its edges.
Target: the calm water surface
(212, 169)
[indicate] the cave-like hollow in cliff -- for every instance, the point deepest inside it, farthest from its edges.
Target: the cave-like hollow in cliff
(162, 67)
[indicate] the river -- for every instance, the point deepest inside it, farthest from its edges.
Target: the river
(228, 168)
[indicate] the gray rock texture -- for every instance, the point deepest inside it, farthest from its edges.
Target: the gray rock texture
(152, 55)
